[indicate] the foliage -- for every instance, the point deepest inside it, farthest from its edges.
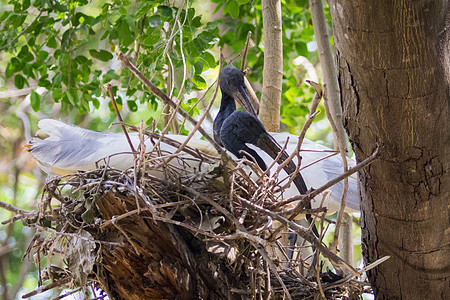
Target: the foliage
(69, 47)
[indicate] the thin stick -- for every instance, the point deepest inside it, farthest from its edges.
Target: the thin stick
(109, 87)
(244, 55)
(308, 123)
(342, 151)
(311, 195)
(47, 287)
(13, 209)
(202, 118)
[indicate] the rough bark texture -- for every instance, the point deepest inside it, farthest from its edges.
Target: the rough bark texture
(269, 111)
(393, 62)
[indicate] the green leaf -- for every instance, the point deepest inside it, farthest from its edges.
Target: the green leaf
(210, 60)
(208, 37)
(301, 49)
(132, 105)
(96, 103)
(213, 25)
(59, 7)
(25, 4)
(102, 55)
(233, 9)
(199, 66)
(10, 70)
(126, 37)
(43, 54)
(51, 42)
(154, 21)
(19, 81)
(197, 21)
(199, 82)
(23, 52)
(151, 39)
(165, 11)
(44, 82)
(123, 11)
(110, 75)
(242, 2)
(57, 93)
(35, 100)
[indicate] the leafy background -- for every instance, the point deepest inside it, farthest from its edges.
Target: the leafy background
(62, 53)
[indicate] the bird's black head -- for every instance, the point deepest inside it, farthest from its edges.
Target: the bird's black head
(232, 83)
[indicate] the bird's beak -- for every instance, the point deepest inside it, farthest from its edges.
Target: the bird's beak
(242, 97)
(268, 144)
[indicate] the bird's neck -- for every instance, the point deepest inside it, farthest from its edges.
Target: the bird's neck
(227, 107)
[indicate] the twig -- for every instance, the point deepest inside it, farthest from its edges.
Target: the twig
(137, 48)
(47, 287)
(304, 233)
(202, 118)
(374, 264)
(23, 31)
(342, 151)
(301, 137)
(14, 209)
(109, 87)
(244, 55)
(272, 267)
(73, 235)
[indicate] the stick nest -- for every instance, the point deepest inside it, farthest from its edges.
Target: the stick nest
(162, 232)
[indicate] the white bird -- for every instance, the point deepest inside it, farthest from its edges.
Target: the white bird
(62, 149)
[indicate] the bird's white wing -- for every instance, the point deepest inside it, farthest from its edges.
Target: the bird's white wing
(62, 149)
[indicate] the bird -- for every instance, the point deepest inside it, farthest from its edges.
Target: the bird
(242, 134)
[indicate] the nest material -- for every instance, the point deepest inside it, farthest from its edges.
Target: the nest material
(177, 235)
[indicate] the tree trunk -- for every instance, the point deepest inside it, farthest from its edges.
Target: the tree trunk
(393, 60)
(269, 111)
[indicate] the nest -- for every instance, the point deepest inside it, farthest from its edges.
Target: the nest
(211, 233)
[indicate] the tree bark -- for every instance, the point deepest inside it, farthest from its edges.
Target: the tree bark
(269, 111)
(393, 65)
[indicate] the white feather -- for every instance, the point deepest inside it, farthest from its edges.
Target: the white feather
(67, 149)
